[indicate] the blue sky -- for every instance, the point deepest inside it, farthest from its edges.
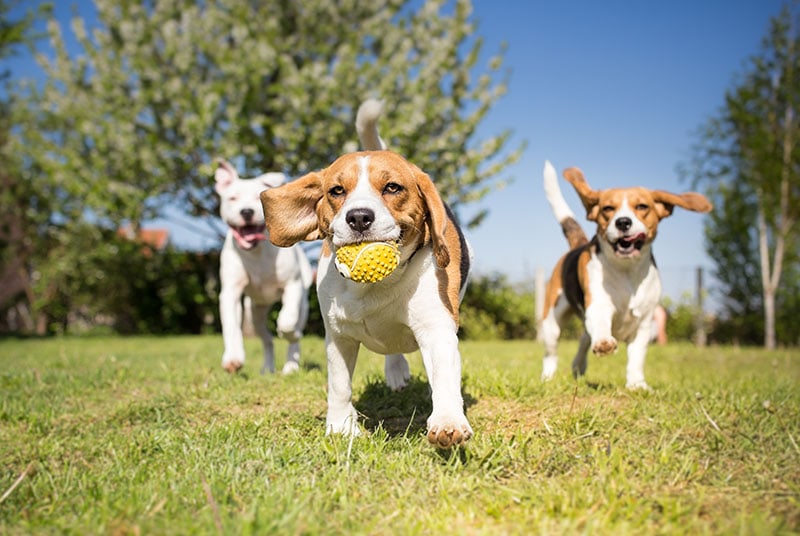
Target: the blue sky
(616, 88)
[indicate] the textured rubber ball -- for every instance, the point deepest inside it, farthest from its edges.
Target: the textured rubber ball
(367, 262)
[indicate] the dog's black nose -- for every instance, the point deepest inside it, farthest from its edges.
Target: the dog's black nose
(247, 213)
(623, 224)
(359, 219)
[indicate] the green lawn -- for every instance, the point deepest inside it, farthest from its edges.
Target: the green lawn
(150, 436)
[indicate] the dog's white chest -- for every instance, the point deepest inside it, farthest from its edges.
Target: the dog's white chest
(379, 315)
(629, 296)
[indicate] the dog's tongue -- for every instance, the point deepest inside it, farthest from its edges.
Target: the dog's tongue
(249, 235)
(628, 240)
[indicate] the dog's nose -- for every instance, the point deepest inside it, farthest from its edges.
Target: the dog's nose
(359, 219)
(623, 224)
(247, 213)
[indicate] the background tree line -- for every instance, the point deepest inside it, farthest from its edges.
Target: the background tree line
(137, 100)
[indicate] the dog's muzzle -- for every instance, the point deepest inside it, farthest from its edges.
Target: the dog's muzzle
(629, 246)
(248, 236)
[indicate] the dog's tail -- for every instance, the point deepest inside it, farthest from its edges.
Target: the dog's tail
(569, 225)
(367, 125)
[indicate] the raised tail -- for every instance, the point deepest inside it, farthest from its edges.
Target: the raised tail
(367, 125)
(569, 225)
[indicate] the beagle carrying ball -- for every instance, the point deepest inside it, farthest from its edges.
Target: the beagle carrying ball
(379, 197)
(612, 281)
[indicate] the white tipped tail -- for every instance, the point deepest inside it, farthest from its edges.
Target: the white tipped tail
(554, 195)
(367, 125)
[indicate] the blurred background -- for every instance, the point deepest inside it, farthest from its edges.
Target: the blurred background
(113, 113)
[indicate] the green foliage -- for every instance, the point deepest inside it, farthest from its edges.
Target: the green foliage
(133, 121)
(100, 278)
(493, 308)
(130, 120)
(148, 435)
(748, 158)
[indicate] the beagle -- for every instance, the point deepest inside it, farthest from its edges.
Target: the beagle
(377, 195)
(610, 281)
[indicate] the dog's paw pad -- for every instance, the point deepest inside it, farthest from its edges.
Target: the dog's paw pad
(446, 436)
(233, 366)
(605, 346)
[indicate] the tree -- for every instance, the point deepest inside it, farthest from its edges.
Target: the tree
(16, 244)
(129, 121)
(749, 157)
(133, 121)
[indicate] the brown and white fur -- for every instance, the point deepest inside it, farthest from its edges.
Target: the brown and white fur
(612, 281)
(377, 195)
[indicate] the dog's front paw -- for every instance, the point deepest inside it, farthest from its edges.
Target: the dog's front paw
(448, 431)
(397, 372)
(232, 364)
(639, 385)
(232, 360)
(345, 424)
(605, 346)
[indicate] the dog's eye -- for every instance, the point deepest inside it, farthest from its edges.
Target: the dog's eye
(336, 191)
(642, 206)
(608, 209)
(392, 188)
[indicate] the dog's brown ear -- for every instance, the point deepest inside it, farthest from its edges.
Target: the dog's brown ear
(290, 211)
(666, 202)
(437, 217)
(589, 197)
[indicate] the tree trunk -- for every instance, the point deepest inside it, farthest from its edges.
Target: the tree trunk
(767, 289)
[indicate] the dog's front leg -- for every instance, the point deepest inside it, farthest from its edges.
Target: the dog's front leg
(599, 316)
(447, 424)
(259, 315)
(230, 313)
(637, 351)
(342, 417)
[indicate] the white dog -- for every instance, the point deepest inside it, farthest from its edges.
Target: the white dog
(251, 266)
(372, 196)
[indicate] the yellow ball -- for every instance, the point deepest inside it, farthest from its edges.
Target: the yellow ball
(367, 262)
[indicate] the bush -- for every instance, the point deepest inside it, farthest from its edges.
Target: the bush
(494, 308)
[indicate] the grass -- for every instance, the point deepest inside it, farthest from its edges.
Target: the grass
(150, 436)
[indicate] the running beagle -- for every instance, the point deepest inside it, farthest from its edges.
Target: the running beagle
(377, 195)
(612, 281)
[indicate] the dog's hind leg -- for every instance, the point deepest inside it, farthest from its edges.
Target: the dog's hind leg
(551, 331)
(291, 321)
(260, 313)
(579, 363)
(397, 373)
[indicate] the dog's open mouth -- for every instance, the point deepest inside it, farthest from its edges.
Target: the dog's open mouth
(629, 246)
(248, 236)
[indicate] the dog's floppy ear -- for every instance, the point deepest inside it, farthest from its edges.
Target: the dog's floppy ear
(224, 176)
(666, 202)
(589, 197)
(437, 217)
(290, 211)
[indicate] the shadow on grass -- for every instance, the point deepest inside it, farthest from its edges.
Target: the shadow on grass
(398, 413)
